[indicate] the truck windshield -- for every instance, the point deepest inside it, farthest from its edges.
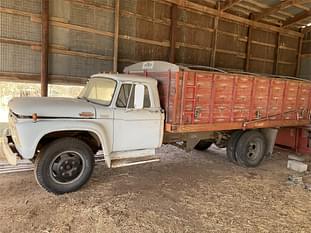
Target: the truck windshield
(99, 90)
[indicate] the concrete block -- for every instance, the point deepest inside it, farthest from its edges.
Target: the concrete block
(296, 158)
(297, 166)
(295, 179)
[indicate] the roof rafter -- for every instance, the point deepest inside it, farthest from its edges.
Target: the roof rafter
(300, 6)
(224, 15)
(274, 8)
(228, 4)
(297, 18)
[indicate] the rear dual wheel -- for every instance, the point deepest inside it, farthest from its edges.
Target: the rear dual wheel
(247, 148)
(232, 144)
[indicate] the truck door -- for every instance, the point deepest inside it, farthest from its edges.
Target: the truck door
(138, 123)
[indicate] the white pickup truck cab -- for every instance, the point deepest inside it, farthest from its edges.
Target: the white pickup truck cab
(117, 114)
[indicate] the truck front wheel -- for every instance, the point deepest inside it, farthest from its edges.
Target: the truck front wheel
(64, 165)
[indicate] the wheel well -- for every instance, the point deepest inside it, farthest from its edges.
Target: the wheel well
(89, 138)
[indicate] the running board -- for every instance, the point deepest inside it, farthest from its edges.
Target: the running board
(129, 158)
(131, 162)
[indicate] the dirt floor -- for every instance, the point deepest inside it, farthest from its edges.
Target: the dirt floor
(185, 192)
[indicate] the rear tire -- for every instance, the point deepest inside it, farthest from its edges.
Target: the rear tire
(203, 145)
(232, 144)
(251, 149)
(64, 165)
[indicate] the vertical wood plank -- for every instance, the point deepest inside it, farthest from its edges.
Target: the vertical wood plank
(44, 47)
(172, 55)
(277, 54)
(215, 39)
(249, 45)
(116, 35)
(300, 42)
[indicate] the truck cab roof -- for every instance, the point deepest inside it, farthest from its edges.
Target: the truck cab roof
(126, 77)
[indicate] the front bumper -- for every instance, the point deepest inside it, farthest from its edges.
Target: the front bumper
(8, 148)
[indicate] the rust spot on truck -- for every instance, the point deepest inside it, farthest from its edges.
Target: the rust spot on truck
(86, 114)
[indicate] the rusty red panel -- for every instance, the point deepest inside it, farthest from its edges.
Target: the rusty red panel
(199, 100)
(296, 139)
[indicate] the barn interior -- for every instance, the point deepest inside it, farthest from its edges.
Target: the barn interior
(52, 47)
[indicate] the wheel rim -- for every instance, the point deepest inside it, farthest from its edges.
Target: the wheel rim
(67, 167)
(253, 150)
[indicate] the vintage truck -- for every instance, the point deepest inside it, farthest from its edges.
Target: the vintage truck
(127, 116)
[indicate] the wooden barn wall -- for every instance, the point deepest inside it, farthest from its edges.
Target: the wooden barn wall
(19, 35)
(231, 45)
(82, 38)
(305, 69)
(144, 31)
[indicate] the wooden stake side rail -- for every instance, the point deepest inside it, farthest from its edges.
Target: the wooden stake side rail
(200, 101)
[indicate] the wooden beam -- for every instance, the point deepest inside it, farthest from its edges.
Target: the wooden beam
(116, 35)
(300, 42)
(297, 18)
(215, 39)
(228, 4)
(273, 9)
(224, 15)
(45, 47)
(277, 54)
(173, 35)
(249, 45)
(300, 6)
(195, 7)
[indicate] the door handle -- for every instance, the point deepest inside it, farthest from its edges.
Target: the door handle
(154, 111)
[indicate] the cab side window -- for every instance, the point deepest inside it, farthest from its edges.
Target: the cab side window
(124, 94)
(147, 103)
(126, 97)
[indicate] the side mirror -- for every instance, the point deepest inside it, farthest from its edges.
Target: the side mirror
(139, 96)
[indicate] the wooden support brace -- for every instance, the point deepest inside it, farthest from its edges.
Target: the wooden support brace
(249, 46)
(215, 39)
(172, 55)
(45, 47)
(277, 54)
(116, 35)
(300, 42)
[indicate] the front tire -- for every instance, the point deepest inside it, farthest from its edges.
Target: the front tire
(64, 165)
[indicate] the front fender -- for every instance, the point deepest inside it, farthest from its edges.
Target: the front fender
(30, 133)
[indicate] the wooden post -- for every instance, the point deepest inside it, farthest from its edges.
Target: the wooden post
(300, 42)
(277, 53)
(249, 45)
(215, 39)
(116, 35)
(172, 55)
(45, 47)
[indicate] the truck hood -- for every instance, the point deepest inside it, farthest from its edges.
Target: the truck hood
(52, 107)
